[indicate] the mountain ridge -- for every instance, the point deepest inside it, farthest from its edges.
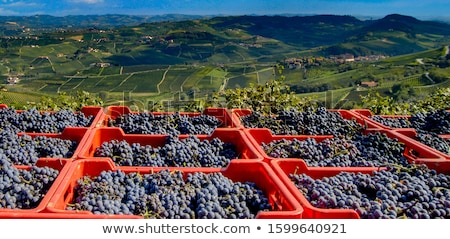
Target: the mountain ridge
(110, 20)
(393, 34)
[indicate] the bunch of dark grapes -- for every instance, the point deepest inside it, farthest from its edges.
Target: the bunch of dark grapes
(437, 121)
(392, 122)
(34, 121)
(318, 121)
(26, 150)
(166, 195)
(23, 189)
(433, 140)
(427, 125)
(394, 193)
(371, 150)
(7, 118)
(148, 123)
(188, 152)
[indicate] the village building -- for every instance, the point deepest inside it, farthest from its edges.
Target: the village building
(13, 79)
(369, 84)
(101, 64)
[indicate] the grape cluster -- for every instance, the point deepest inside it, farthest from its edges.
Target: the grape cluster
(26, 150)
(394, 193)
(318, 121)
(167, 195)
(35, 121)
(437, 121)
(427, 125)
(23, 189)
(396, 122)
(371, 150)
(148, 123)
(187, 152)
(433, 140)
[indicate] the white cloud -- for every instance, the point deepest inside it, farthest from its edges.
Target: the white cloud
(87, 1)
(23, 4)
(6, 12)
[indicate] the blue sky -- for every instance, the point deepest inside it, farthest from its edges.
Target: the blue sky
(416, 8)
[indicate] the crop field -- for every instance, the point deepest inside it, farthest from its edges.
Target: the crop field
(68, 67)
(11, 98)
(430, 88)
(333, 98)
(86, 83)
(175, 78)
(209, 83)
(39, 70)
(355, 96)
(195, 77)
(241, 81)
(409, 58)
(40, 62)
(112, 70)
(50, 88)
(139, 68)
(71, 84)
(93, 71)
(108, 83)
(141, 82)
(235, 70)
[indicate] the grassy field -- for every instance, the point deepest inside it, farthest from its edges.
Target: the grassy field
(142, 82)
(242, 81)
(175, 78)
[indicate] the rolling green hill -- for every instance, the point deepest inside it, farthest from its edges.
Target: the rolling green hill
(196, 57)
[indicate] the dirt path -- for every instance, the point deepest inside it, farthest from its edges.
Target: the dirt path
(162, 80)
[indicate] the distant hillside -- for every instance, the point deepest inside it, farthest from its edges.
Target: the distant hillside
(15, 24)
(302, 31)
(168, 39)
(182, 59)
(396, 22)
(392, 35)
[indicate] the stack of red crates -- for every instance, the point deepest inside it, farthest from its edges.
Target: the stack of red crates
(270, 174)
(76, 134)
(415, 152)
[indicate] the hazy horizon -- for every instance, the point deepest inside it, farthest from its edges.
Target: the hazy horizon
(433, 9)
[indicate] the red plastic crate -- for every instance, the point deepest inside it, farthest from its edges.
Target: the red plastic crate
(96, 112)
(237, 115)
(367, 114)
(62, 165)
(262, 135)
(77, 134)
(437, 160)
(414, 151)
(284, 167)
(283, 202)
(40, 215)
(222, 114)
(245, 150)
(446, 137)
